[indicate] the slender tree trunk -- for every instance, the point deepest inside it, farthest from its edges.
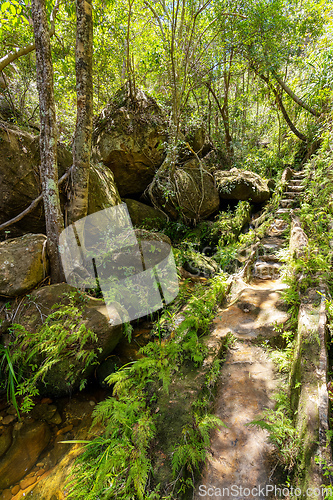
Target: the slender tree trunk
(225, 107)
(83, 132)
(48, 137)
(225, 118)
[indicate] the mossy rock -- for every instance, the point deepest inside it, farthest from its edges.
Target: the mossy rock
(23, 264)
(199, 264)
(189, 193)
(242, 185)
(128, 139)
(67, 373)
(144, 215)
(20, 181)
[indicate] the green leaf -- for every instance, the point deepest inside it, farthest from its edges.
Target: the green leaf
(5, 6)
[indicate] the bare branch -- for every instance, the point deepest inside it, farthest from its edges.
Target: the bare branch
(33, 204)
(283, 109)
(15, 54)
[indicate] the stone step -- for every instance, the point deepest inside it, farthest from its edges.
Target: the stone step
(271, 244)
(266, 270)
(269, 258)
(295, 183)
(295, 189)
(300, 175)
(281, 211)
(290, 194)
(289, 203)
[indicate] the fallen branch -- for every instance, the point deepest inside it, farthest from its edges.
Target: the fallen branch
(33, 204)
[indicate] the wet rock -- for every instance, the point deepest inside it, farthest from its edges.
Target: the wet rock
(68, 428)
(65, 376)
(5, 440)
(52, 485)
(76, 410)
(142, 214)
(28, 443)
(23, 264)
(191, 193)
(28, 481)
(15, 489)
(56, 419)
(6, 495)
(128, 138)
(237, 184)
(8, 419)
(44, 412)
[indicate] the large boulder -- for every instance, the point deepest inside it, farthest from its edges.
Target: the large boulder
(20, 181)
(190, 192)
(66, 374)
(103, 192)
(238, 184)
(23, 264)
(142, 214)
(128, 138)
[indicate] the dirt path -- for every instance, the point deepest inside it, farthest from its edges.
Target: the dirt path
(241, 455)
(241, 460)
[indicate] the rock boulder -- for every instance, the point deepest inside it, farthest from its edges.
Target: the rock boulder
(144, 214)
(66, 374)
(191, 193)
(20, 181)
(128, 138)
(23, 264)
(238, 184)
(28, 443)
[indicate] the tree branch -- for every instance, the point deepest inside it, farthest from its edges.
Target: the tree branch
(15, 54)
(294, 96)
(33, 204)
(283, 109)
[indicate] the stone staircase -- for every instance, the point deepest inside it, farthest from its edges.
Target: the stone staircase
(242, 459)
(267, 265)
(292, 194)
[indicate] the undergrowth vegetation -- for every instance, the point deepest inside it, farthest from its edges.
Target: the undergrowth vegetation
(118, 462)
(62, 339)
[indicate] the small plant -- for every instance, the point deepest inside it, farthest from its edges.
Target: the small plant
(282, 433)
(8, 376)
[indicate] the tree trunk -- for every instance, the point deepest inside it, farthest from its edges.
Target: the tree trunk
(48, 137)
(225, 118)
(83, 132)
(283, 110)
(294, 96)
